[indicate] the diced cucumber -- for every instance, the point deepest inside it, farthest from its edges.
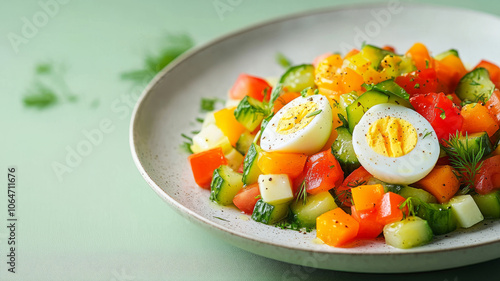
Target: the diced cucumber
(465, 210)
(391, 88)
(251, 170)
(225, 185)
(275, 189)
(408, 233)
(344, 152)
(451, 52)
(422, 195)
(489, 204)
(234, 159)
(475, 86)
(250, 112)
(439, 217)
(244, 142)
(345, 100)
(268, 213)
(374, 54)
(388, 187)
(305, 214)
(298, 77)
(477, 142)
(361, 105)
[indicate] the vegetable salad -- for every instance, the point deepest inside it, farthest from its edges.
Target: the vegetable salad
(372, 143)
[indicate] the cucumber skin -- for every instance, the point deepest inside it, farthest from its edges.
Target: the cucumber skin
(269, 214)
(467, 90)
(343, 151)
(222, 188)
(305, 214)
(488, 204)
(251, 170)
(439, 217)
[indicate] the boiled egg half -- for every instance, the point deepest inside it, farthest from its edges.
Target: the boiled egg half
(301, 126)
(395, 144)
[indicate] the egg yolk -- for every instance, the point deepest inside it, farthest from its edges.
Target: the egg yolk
(392, 137)
(296, 118)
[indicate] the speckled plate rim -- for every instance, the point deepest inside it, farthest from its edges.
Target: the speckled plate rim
(236, 235)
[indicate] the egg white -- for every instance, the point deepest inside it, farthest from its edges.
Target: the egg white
(307, 140)
(405, 169)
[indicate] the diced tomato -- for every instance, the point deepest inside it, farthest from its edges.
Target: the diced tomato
(369, 228)
(488, 178)
(493, 70)
(419, 82)
(357, 177)
(336, 227)
(493, 105)
(204, 163)
(440, 111)
(252, 86)
(388, 209)
(246, 198)
(322, 172)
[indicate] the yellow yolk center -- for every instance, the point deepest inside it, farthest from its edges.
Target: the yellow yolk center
(392, 137)
(296, 118)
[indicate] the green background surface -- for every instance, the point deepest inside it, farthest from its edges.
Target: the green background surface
(101, 221)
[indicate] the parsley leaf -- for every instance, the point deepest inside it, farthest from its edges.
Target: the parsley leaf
(282, 60)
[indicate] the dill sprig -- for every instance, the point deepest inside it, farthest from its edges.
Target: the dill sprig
(464, 159)
(173, 46)
(302, 195)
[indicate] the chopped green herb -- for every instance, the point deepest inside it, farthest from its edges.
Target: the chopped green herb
(292, 226)
(302, 195)
(173, 46)
(219, 218)
(209, 104)
(443, 113)
(427, 133)
(282, 60)
(41, 97)
(417, 86)
(426, 63)
(314, 113)
(258, 196)
(200, 120)
(464, 159)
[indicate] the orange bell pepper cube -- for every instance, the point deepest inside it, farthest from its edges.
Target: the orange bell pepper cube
(420, 56)
(227, 123)
(478, 119)
(367, 196)
(275, 162)
(369, 227)
(204, 163)
(283, 100)
(358, 177)
(389, 210)
(440, 182)
(336, 227)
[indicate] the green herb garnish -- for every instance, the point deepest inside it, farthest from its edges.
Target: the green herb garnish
(443, 113)
(283, 60)
(173, 46)
(302, 195)
(314, 113)
(208, 104)
(466, 160)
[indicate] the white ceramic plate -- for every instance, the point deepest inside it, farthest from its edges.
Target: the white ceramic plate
(170, 104)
